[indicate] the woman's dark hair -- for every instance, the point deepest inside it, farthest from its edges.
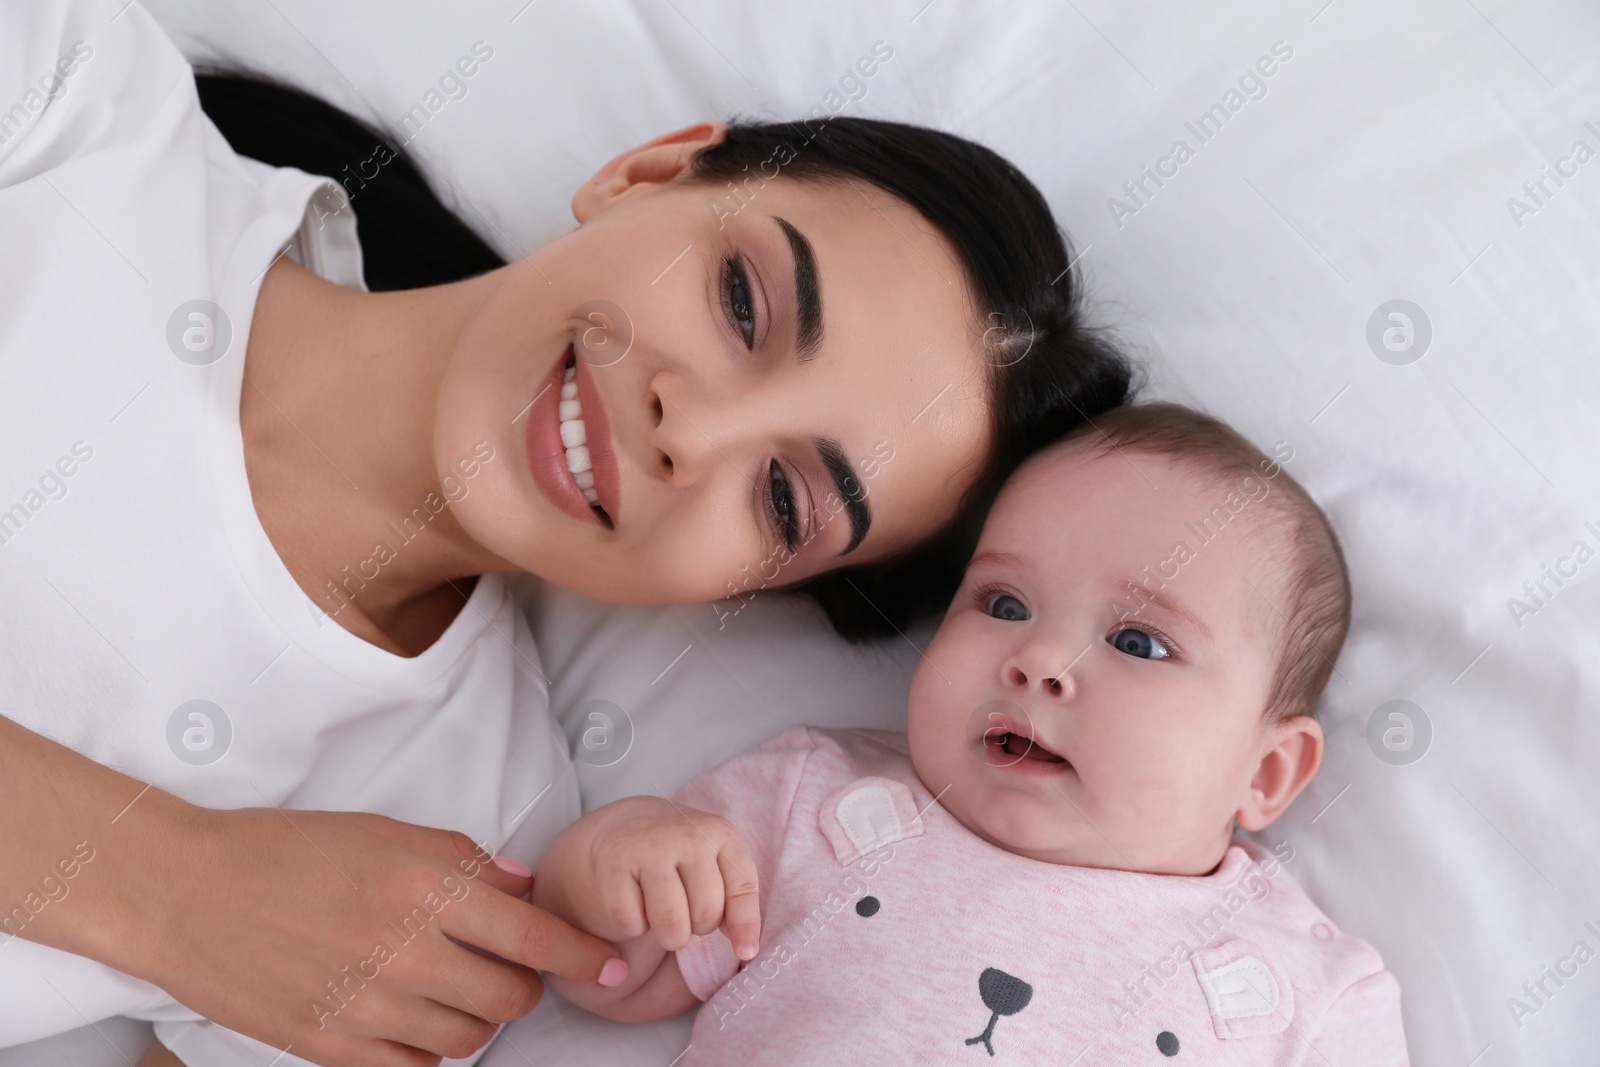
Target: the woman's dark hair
(409, 239)
(1048, 370)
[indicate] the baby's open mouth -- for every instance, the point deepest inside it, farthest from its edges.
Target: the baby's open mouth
(1016, 746)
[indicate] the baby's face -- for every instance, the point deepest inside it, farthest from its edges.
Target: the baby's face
(1145, 716)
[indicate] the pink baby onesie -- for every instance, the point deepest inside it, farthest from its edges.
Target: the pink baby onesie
(891, 934)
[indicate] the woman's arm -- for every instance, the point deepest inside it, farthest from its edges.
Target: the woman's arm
(645, 873)
(332, 932)
(85, 838)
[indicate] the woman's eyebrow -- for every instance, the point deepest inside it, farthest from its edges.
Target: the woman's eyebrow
(807, 293)
(848, 488)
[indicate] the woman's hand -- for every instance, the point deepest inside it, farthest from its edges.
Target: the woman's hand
(329, 932)
(335, 935)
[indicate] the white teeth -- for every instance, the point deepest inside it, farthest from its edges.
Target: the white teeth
(574, 436)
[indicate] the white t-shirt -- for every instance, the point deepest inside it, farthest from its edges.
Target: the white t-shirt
(135, 577)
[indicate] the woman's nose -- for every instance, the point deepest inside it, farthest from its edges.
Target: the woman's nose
(1038, 667)
(679, 445)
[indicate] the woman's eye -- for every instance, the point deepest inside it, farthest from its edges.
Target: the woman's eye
(1139, 643)
(1007, 607)
(736, 300)
(780, 501)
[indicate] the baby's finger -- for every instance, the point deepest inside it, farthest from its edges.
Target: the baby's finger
(741, 899)
(702, 879)
(666, 906)
(623, 901)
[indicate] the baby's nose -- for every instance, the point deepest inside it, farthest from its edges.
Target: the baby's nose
(1036, 669)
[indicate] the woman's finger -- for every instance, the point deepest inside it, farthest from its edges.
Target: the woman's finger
(491, 989)
(376, 1028)
(741, 908)
(374, 1052)
(433, 1028)
(503, 873)
(521, 933)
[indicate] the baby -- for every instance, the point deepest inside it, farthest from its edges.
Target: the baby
(1043, 870)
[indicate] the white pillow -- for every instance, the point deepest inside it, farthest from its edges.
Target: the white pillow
(652, 696)
(1385, 161)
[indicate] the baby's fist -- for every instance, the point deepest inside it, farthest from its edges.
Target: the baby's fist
(676, 871)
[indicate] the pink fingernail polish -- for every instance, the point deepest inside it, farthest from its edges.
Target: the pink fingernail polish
(615, 972)
(511, 866)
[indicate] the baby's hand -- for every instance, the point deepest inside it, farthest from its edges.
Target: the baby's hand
(671, 870)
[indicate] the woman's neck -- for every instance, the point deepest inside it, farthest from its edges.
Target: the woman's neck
(337, 415)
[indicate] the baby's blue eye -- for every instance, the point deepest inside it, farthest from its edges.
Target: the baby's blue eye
(1138, 643)
(1007, 607)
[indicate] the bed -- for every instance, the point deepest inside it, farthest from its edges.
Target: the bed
(1379, 244)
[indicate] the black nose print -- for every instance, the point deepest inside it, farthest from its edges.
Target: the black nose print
(1002, 994)
(1167, 1043)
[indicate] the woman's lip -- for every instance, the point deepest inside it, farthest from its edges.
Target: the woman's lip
(547, 456)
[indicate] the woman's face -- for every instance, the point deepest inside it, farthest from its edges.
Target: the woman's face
(739, 434)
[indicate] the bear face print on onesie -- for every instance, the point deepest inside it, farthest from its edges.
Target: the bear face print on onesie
(892, 934)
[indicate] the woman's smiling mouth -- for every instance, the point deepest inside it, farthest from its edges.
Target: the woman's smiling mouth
(574, 437)
(569, 445)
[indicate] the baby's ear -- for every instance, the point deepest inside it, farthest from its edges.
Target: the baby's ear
(1291, 751)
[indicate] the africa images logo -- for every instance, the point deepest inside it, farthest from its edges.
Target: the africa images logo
(1252, 85)
(51, 84)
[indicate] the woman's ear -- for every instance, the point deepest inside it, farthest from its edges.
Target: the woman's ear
(652, 163)
(1291, 752)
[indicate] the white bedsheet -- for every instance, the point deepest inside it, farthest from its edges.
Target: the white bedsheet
(1385, 161)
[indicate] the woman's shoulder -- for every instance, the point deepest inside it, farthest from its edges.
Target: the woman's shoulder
(78, 76)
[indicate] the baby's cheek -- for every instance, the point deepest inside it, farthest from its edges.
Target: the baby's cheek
(1176, 796)
(936, 708)
(938, 738)
(929, 749)
(1136, 778)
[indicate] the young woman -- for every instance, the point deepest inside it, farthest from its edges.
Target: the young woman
(258, 643)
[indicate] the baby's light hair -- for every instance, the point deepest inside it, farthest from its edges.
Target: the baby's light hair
(1315, 617)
